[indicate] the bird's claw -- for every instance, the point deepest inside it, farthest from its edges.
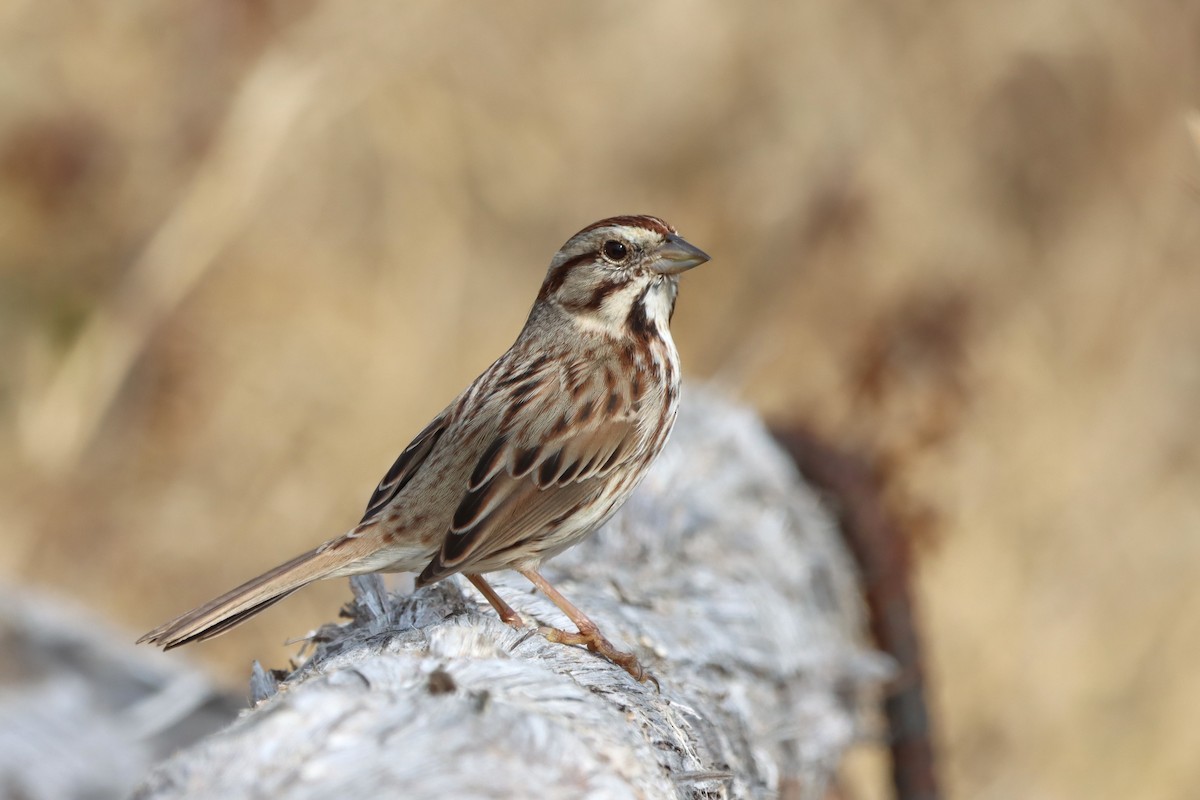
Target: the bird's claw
(596, 643)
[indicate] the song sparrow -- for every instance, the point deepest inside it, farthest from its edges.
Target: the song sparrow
(538, 452)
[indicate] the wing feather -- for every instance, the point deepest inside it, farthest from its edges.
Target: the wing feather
(406, 465)
(540, 466)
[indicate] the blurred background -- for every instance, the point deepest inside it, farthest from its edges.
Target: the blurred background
(247, 250)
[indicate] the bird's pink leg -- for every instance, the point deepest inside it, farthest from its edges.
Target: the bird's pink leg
(507, 614)
(588, 634)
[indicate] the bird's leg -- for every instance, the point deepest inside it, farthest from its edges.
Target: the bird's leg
(507, 614)
(588, 633)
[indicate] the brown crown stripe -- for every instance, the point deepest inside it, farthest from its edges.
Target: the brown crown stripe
(633, 221)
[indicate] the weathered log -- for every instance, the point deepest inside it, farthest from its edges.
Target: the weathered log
(83, 713)
(723, 572)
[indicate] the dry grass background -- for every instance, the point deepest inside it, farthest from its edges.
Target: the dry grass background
(247, 249)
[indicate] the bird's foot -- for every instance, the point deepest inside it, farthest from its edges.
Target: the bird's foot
(596, 642)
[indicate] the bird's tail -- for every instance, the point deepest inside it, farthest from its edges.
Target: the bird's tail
(236, 606)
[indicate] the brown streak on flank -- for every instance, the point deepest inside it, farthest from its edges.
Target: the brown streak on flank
(633, 221)
(628, 357)
(672, 371)
(585, 411)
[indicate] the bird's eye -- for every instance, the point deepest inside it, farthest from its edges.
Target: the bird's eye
(614, 250)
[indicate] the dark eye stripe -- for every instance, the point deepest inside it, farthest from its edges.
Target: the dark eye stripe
(555, 279)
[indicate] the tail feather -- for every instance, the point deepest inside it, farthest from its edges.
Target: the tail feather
(236, 606)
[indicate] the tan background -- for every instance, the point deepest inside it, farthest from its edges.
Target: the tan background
(248, 249)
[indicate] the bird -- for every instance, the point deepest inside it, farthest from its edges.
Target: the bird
(534, 455)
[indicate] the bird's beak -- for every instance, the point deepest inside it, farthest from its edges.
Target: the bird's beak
(677, 255)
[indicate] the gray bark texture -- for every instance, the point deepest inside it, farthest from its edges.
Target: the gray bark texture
(723, 572)
(84, 713)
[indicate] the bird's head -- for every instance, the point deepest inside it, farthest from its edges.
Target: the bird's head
(619, 270)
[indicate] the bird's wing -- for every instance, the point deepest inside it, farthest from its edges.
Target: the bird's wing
(574, 430)
(407, 464)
